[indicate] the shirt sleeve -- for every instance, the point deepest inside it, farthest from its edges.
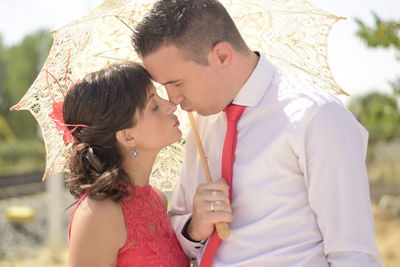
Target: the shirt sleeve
(335, 150)
(182, 201)
(352, 259)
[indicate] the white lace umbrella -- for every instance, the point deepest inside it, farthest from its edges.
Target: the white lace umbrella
(292, 34)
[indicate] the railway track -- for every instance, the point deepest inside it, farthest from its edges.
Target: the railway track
(21, 185)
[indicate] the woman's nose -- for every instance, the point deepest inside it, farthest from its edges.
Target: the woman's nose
(171, 107)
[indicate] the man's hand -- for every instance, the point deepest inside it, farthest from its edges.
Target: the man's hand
(210, 206)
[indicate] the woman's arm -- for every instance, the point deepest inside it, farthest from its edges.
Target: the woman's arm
(98, 232)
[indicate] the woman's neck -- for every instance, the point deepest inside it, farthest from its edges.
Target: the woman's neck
(139, 168)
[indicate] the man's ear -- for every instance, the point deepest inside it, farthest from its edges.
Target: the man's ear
(125, 137)
(221, 54)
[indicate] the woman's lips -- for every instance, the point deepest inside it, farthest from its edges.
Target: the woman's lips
(176, 123)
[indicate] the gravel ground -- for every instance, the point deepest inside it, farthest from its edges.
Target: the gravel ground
(22, 241)
(25, 245)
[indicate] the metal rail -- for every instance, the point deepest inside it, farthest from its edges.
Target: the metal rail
(21, 185)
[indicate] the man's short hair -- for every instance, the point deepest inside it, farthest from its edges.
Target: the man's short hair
(195, 26)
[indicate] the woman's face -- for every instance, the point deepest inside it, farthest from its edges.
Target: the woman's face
(158, 127)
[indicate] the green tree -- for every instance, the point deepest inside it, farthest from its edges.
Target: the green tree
(5, 131)
(379, 115)
(22, 63)
(396, 89)
(3, 97)
(382, 34)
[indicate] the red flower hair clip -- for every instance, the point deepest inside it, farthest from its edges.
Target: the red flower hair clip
(56, 115)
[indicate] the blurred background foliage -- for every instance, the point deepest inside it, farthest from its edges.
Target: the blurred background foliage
(380, 112)
(381, 34)
(21, 147)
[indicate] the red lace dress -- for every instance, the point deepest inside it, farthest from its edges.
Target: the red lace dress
(151, 240)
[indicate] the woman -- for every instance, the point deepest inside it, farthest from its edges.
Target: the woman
(120, 124)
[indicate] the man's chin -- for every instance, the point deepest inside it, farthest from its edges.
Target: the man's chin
(206, 112)
(202, 112)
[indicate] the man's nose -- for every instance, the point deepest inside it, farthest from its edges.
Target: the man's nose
(174, 97)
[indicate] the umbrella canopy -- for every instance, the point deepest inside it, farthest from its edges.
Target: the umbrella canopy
(293, 34)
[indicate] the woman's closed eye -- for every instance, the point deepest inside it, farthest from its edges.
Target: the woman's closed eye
(155, 108)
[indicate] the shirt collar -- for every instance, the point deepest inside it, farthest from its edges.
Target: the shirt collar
(257, 84)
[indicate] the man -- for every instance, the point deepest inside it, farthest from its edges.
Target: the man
(300, 193)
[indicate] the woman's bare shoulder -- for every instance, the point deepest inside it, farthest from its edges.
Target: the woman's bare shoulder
(98, 228)
(99, 211)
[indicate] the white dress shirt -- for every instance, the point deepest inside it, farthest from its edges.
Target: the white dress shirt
(300, 186)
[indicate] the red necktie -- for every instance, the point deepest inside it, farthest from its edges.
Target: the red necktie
(233, 113)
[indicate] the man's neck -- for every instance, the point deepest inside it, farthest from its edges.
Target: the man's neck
(246, 66)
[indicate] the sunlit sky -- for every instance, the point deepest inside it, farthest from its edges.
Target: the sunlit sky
(356, 68)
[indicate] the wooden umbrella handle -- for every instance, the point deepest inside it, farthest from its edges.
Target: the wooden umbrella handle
(222, 227)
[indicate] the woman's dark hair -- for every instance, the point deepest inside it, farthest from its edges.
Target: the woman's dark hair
(106, 101)
(195, 26)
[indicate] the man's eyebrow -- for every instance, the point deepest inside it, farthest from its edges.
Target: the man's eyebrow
(172, 81)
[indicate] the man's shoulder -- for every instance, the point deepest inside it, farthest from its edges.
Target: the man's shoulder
(292, 100)
(290, 88)
(294, 95)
